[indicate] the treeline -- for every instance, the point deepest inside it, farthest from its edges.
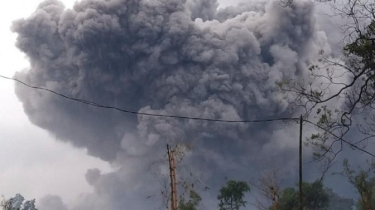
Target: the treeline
(272, 197)
(232, 197)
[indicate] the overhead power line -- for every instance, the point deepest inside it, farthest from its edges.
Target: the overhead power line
(91, 103)
(94, 104)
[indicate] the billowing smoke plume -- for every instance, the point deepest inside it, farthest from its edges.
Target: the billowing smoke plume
(167, 57)
(50, 202)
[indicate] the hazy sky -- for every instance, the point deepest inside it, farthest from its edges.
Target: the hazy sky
(31, 159)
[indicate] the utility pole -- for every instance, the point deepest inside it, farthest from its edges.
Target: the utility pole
(300, 164)
(172, 173)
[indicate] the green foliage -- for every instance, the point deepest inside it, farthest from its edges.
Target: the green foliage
(363, 46)
(363, 49)
(231, 196)
(327, 119)
(289, 199)
(364, 182)
(192, 203)
(338, 203)
(314, 197)
(17, 203)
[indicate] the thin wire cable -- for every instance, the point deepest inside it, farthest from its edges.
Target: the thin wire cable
(90, 103)
(340, 138)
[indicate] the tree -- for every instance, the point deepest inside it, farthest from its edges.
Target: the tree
(269, 186)
(314, 197)
(289, 199)
(17, 203)
(186, 182)
(231, 196)
(364, 182)
(338, 203)
(349, 80)
(192, 203)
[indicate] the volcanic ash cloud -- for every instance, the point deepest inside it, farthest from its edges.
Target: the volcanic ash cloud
(166, 57)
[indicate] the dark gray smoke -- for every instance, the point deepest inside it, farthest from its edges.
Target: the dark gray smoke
(166, 57)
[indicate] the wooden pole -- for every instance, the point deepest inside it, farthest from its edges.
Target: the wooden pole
(174, 183)
(300, 164)
(172, 174)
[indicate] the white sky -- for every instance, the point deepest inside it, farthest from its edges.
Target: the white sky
(30, 159)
